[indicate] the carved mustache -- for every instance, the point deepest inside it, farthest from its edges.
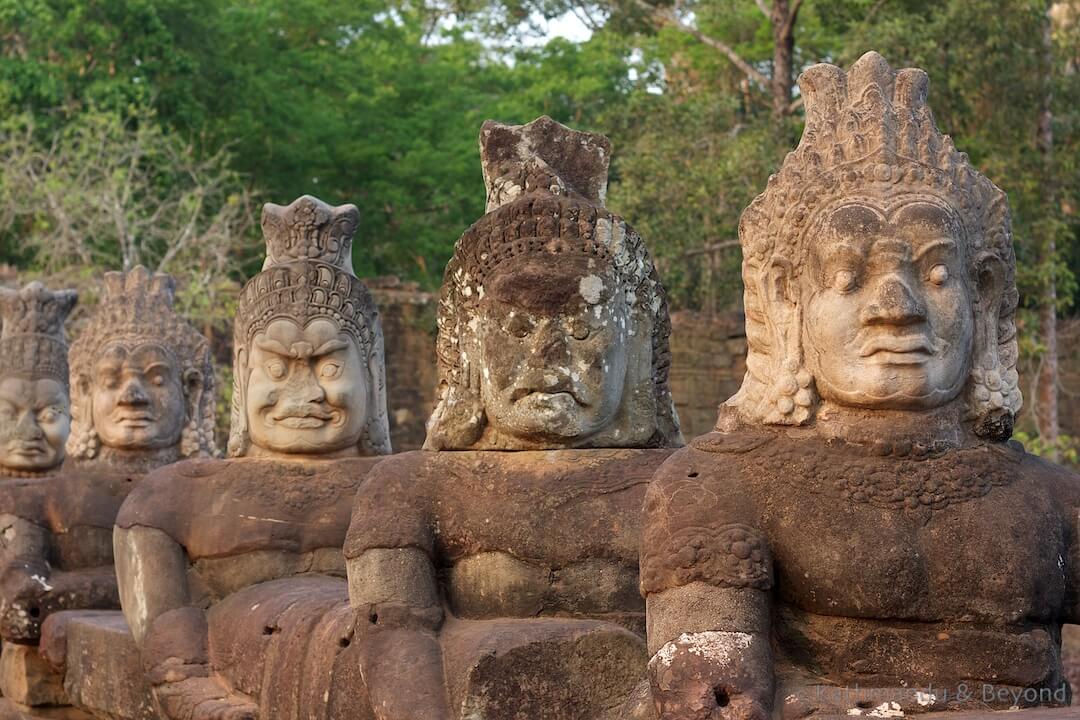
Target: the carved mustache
(302, 412)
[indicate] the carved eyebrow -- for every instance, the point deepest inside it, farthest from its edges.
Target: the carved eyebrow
(328, 347)
(272, 346)
(930, 245)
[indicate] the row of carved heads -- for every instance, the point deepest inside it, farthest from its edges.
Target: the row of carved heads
(876, 244)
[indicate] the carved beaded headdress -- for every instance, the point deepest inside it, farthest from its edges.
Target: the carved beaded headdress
(308, 274)
(32, 341)
(545, 196)
(869, 133)
(137, 308)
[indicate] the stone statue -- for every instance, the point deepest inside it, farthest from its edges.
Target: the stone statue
(858, 535)
(513, 575)
(35, 411)
(142, 383)
(202, 545)
(141, 396)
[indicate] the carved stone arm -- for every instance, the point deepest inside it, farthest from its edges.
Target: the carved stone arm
(711, 656)
(173, 636)
(394, 593)
(151, 569)
(24, 577)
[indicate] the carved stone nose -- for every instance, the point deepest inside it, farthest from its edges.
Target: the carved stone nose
(134, 394)
(27, 428)
(303, 386)
(550, 346)
(894, 303)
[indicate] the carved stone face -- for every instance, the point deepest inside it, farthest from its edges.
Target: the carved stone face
(889, 320)
(137, 397)
(307, 389)
(35, 420)
(552, 346)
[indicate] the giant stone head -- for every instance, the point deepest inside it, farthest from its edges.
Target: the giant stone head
(878, 264)
(35, 412)
(309, 371)
(553, 326)
(142, 382)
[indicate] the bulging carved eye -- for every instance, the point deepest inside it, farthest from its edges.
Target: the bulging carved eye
(844, 280)
(581, 331)
(48, 415)
(330, 370)
(939, 274)
(275, 369)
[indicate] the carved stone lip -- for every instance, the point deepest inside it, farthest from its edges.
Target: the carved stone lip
(543, 397)
(297, 422)
(28, 450)
(303, 418)
(135, 420)
(908, 348)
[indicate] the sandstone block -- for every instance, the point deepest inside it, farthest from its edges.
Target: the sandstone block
(541, 669)
(104, 670)
(27, 679)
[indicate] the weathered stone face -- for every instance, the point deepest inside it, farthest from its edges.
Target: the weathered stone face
(554, 363)
(137, 397)
(35, 415)
(878, 264)
(889, 317)
(142, 382)
(307, 391)
(35, 420)
(309, 374)
(553, 326)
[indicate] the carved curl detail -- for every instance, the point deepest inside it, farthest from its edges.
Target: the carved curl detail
(732, 555)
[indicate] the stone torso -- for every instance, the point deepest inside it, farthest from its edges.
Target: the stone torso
(956, 557)
(247, 520)
(518, 534)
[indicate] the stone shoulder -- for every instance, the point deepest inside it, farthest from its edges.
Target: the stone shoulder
(701, 521)
(224, 507)
(391, 509)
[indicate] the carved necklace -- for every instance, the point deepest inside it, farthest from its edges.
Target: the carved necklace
(916, 479)
(10, 473)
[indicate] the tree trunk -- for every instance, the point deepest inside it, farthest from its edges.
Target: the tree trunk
(782, 18)
(1046, 409)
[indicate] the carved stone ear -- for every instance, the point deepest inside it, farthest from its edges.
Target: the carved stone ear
(779, 278)
(989, 283)
(193, 388)
(81, 386)
(994, 395)
(790, 399)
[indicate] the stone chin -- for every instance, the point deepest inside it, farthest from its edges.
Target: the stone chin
(552, 417)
